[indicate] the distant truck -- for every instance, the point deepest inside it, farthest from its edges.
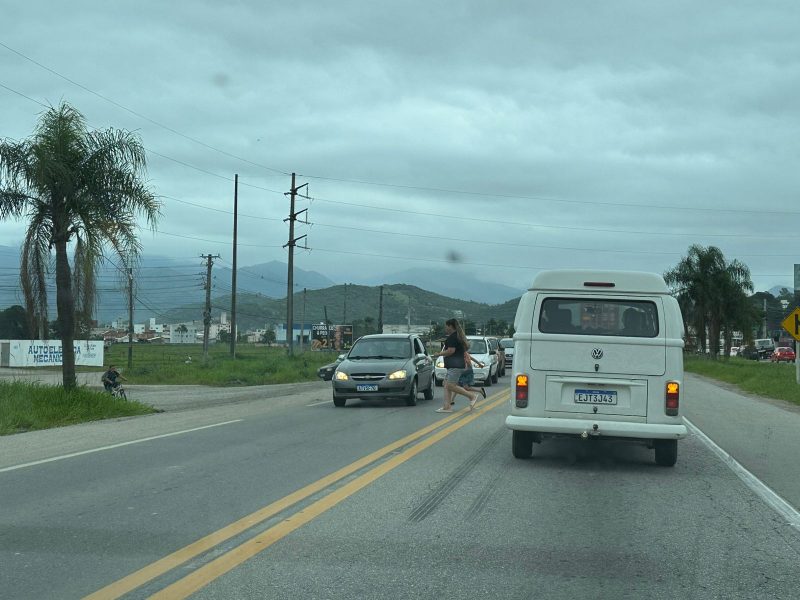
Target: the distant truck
(765, 347)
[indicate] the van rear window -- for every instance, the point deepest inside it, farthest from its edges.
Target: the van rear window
(590, 316)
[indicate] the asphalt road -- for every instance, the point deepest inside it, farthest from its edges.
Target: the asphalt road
(288, 512)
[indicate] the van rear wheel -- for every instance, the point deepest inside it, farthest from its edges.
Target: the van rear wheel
(666, 452)
(521, 444)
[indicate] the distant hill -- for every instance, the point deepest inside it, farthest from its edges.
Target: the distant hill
(454, 283)
(776, 291)
(362, 301)
(162, 284)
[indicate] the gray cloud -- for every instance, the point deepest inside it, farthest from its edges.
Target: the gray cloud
(682, 105)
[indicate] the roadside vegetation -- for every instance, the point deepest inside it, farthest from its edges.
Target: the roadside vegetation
(762, 378)
(182, 364)
(713, 296)
(29, 406)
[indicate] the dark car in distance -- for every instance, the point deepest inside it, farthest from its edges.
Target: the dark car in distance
(325, 372)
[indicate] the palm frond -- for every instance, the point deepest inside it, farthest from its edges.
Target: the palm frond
(35, 264)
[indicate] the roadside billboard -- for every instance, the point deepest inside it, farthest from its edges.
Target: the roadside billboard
(47, 353)
(331, 337)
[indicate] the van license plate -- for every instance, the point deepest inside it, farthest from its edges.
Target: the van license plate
(370, 388)
(595, 397)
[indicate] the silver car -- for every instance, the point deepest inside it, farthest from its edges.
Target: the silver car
(384, 366)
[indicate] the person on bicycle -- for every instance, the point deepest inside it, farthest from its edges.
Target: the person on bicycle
(110, 378)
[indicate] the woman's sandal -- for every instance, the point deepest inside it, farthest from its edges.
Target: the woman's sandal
(483, 393)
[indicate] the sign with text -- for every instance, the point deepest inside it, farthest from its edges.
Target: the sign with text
(331, 337)
(47, 353)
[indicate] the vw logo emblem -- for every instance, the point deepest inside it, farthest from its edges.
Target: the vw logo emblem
(597, 353)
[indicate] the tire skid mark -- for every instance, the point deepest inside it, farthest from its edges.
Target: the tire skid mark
(437, 496)
(482, 499)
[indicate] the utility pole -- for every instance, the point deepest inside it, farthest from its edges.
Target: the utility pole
(290, 276)
(233, 272)
(130, 318)
(380, 312)
(408, 315)
(303, 324)
(344, 314)
(765, 318)
(207, 312)
(327, 328)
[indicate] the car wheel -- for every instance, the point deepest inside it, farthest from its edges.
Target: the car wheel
(338, 400)
(438, 383)
(428, 394)
(521, 444)
(411, 399)
(666, 452)
(494, 377)
(488, 381)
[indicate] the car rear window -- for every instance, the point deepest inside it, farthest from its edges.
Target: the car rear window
(380, 348)
(477, 347)
(590, 316)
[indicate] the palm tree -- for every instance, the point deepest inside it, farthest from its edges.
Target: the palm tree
(710, 291)
(78, 189)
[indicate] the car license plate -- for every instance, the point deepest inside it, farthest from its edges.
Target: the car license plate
(595, 397)
(367, 388)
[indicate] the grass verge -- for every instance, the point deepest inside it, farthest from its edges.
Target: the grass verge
(182, 364)
(762, 378)
(28, 406)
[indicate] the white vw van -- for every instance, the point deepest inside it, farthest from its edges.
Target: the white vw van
(598, 355)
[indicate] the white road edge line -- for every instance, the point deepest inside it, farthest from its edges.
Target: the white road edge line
(781, 506)
(318, 403)
(102, 448)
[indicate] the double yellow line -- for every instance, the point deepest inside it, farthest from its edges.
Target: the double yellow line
(198, 579)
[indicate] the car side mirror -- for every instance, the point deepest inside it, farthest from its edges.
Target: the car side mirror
(492, 351)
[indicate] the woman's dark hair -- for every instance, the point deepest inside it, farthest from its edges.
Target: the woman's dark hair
(454, 324)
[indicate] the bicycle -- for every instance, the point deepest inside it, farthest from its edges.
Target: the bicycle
(119, 392)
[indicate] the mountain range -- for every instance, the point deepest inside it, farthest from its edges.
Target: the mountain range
(162, 284)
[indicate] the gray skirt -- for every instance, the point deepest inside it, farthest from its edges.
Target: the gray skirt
(453, 375)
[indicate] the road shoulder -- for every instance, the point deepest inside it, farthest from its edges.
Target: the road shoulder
(760, 433)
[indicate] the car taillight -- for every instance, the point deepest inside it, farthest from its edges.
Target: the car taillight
(521, 394)
(672, 398)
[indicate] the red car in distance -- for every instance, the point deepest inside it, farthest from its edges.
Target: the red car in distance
(782, 353)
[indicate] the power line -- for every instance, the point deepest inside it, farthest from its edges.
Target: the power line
(189, 237)
(138, 114)
(220, 210)
(482, 194)
(559, 227)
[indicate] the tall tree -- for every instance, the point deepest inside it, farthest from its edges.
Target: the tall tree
(79, 190)
(710, 291)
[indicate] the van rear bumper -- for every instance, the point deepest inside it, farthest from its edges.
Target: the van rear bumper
(644, 431)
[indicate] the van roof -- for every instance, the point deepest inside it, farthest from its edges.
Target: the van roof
(600, 281)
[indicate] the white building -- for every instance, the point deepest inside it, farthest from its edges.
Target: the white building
(183, 333)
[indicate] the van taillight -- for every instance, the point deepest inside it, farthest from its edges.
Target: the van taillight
(521, 394)
(673, 398)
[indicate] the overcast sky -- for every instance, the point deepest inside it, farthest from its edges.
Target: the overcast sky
(585, 134)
